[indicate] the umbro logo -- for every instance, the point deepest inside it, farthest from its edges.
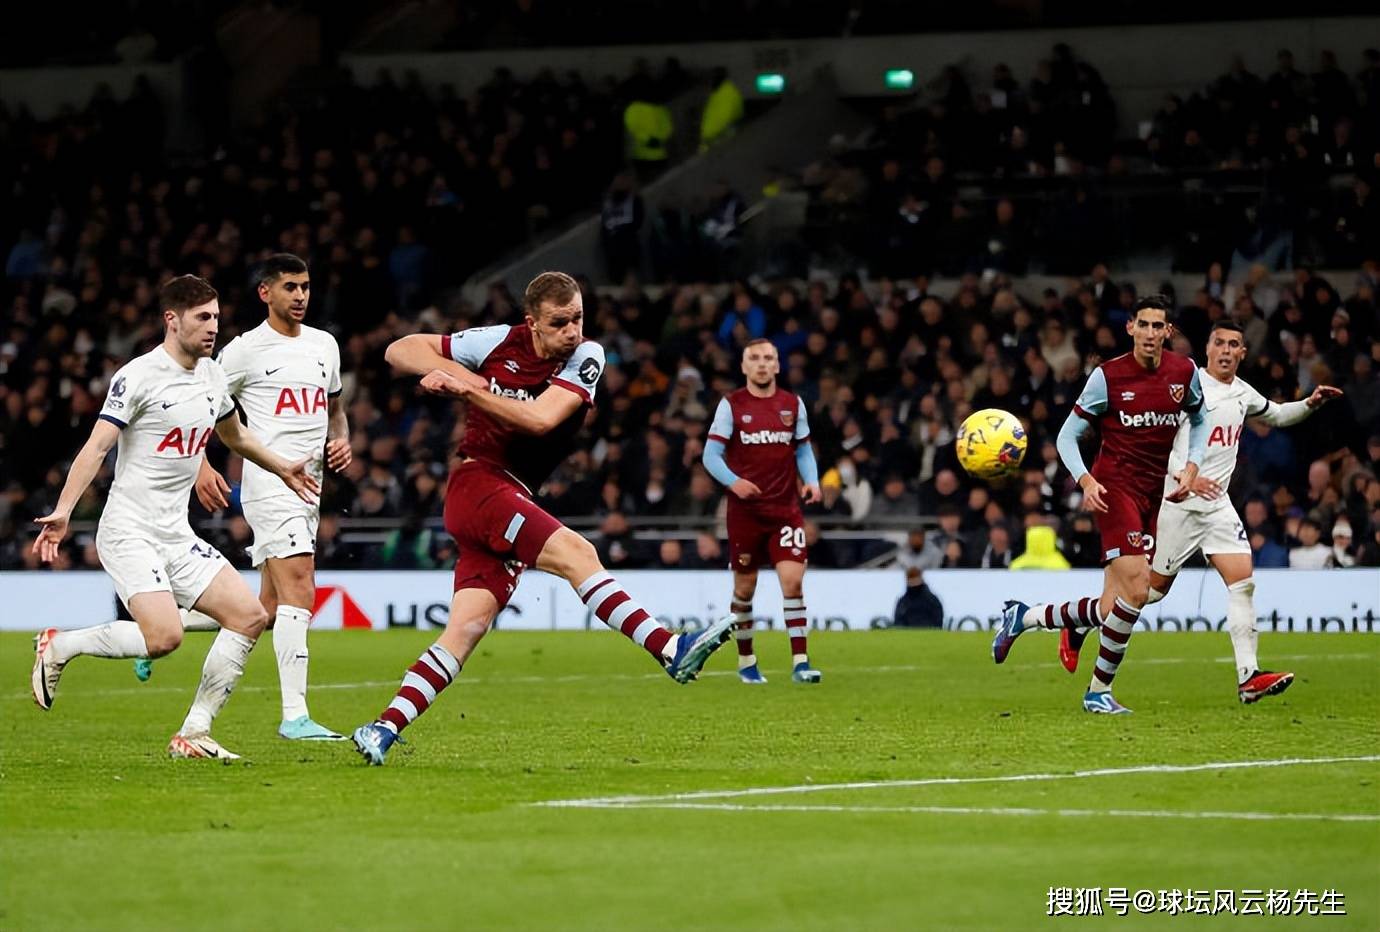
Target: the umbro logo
(510, 365)
(1128, 396)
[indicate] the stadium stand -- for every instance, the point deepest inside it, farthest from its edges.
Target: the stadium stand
(945, 230)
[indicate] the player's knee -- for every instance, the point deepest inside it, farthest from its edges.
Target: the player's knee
(254, 621)
(163, 640)
(569, 554)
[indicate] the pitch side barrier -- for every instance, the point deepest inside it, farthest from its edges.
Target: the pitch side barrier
(1342, 601)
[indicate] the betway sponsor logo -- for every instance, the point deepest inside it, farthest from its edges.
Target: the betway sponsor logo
(764, 436)
(1149, 419)
(521, 394)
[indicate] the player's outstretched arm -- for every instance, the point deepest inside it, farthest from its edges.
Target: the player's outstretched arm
(84, 468)
(294, 475)
(1295, 412)
(420, 354)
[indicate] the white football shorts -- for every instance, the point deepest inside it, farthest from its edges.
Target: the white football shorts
(1183, 531)
(184, 566)
(283, 527)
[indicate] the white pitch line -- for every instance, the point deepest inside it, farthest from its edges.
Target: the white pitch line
(606, 801)
(604, 677)
(1017, 811)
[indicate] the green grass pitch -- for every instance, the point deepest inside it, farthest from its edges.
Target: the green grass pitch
(99, 830)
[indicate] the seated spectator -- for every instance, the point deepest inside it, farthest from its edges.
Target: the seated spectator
(1266, 553)
(1342, 553)
(709, 553)
(670, 555)
(895, 501)
(617, 547)
(1311, 553)
(997, 554)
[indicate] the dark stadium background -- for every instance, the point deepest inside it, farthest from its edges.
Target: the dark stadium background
(966, 231)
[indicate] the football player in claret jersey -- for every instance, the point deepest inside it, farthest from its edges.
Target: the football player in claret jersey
(161, 409)
(285, 378)
(1211, 524)
(527, 389)
(759, 447)
(1135, 400)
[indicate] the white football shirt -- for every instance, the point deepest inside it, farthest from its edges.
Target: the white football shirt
(1226, 408)
(166, 415)
(284, 386)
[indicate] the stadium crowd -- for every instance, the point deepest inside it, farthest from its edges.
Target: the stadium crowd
(391, 206)
(1041, 176)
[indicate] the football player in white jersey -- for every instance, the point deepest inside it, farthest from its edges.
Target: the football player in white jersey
(161, 409)
(1212, 525)
(285, 378)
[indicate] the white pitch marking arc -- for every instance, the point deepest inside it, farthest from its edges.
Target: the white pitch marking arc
(639, 801)
(1012, 811)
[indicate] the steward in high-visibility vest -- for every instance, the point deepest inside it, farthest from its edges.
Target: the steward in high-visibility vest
(649, 128)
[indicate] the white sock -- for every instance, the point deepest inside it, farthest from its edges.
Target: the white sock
(114, 639)
(223, 668)
(290, 647)
(193, 620)
(1241, 626)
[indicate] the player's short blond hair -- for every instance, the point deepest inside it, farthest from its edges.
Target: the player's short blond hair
(556, 287)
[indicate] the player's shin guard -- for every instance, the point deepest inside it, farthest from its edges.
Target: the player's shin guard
(602, 594)
(1241, 627)
(115, 639)
(1114, 635)
(796, 626)
(290, 647)
(742, 632)
(222, 670)
(436, 669)
(1080, 613)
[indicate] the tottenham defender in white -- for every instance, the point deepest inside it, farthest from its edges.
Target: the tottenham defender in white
(1212, 525)
(161, 409)
(285, 377)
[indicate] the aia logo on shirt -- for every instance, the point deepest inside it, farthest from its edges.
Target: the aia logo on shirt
(179, 443)
(1225, 436)
(300, 401)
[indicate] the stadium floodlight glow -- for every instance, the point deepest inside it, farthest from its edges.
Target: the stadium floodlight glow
(900, 79)
(771, 82)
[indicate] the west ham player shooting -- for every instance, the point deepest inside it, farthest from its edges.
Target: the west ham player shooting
(1211, 524)
(527, 390)
(161, 410)
(1135, 400)
(759, 442)
(285, 377)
